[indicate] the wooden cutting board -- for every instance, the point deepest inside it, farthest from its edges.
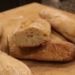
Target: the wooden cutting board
(49, 68)
(38, 68)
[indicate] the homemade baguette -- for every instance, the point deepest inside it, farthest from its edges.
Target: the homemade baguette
(27, 32)
(34, 34)
(56, 49)
(61, 22)
(12, 66)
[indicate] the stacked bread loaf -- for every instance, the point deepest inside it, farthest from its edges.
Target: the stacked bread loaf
(35, 32)
(12, 66)
(47, 36)
(34, 39)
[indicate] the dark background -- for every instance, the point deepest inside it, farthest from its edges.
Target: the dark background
(67, 5)
(8, 4)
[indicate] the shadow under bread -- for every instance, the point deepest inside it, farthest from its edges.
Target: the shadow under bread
(32, 50)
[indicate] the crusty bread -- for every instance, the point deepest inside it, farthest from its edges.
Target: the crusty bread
(28, 32)
(56, 49)
(34, 34)
(12, 66)
(63, 23)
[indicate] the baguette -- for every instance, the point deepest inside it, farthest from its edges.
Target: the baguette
(28, 32)
(61, 22)
(12, 66)
(34, 34)
(56, 49)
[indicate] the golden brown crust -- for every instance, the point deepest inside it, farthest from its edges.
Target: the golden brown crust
(12, 66)
(33, 34)
(54, 50)
(61, 22)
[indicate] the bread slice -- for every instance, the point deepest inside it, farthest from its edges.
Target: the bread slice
(61, 22)
(34, 34)
(56, 49)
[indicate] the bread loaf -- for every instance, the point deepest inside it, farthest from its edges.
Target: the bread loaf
(63, 23)
(56, 49)
(28, 32)
(12, 66)
(4, 43)
(34, 34)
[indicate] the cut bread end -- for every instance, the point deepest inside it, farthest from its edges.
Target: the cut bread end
(30, 37)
